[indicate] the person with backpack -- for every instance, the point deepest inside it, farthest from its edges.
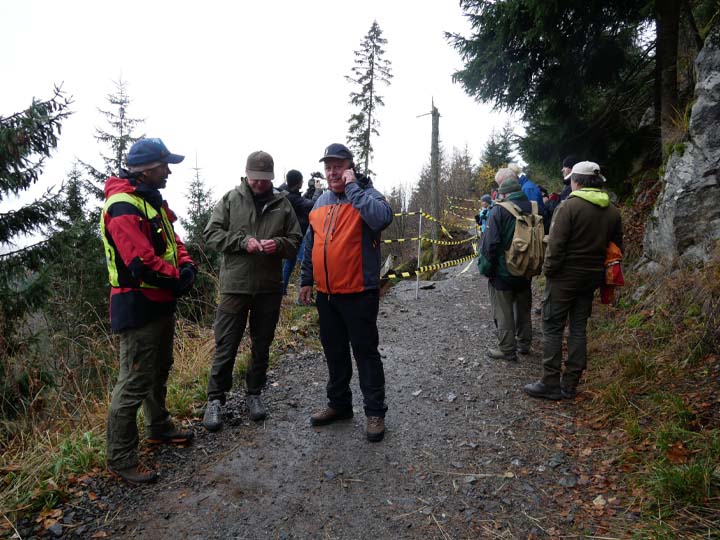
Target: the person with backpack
(510, 295)
(581, 231)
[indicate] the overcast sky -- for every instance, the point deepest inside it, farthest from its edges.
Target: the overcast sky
(222, 79)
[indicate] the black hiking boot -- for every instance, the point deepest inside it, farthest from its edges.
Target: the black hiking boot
(541, 390)
(212, 419)
(256, 407)
(497, 354)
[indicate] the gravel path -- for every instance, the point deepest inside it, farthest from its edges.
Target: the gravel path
(466, 454)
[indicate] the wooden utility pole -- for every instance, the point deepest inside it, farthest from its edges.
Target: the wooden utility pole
(435, 177)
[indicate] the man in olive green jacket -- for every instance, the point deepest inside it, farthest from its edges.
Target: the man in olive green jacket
(582, 228)
(254, 226)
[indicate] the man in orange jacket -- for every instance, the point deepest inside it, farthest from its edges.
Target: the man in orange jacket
(342, 259)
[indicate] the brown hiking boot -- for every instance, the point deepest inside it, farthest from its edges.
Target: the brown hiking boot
(137, 474)
(329, 415)
(171, 436)
(375, 428)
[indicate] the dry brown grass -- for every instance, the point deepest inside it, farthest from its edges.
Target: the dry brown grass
(655, 363)
(61, 434)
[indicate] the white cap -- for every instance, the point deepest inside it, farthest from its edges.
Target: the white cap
(588, 168)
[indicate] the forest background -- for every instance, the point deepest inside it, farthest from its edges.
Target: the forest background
(607, 81)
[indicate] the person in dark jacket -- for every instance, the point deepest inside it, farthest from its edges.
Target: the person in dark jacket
(342, 259)
(510, 296)
(302, 207)
(148, 269)
(482, 216)
(254, 227)
(583, 227)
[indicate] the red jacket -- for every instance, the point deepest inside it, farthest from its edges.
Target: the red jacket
(144, 280)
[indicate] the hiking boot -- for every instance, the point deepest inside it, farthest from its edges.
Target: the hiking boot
(171, 436)
(256, 407)
(329, 415)
(212, 418)
(568, 392)
(137, 474)
(375, 430)
(524, 350)
(541, 390)
(496, 354)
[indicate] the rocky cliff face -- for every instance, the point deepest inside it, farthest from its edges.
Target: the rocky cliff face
(686, 220)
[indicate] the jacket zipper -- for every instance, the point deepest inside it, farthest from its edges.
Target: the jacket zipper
(329, 229)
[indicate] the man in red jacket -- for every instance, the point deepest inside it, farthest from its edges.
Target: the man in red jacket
(148, 269)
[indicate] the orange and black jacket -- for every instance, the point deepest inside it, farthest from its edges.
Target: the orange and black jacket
(143, 253)
(342, 243)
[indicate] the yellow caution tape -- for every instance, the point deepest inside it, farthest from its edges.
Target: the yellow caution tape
(453, 207)
(440, 242)
(430, 268)
(461, 199)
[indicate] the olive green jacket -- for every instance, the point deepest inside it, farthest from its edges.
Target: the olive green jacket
(582, 227)
(234, 220)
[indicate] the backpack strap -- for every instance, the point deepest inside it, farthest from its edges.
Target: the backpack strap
(511, 207)
(534, 209)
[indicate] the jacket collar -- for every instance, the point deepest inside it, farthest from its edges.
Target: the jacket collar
(592, 195)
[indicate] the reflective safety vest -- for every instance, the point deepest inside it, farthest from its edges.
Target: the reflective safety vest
(159, 225)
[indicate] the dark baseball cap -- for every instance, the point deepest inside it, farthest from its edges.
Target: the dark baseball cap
(337, 151)
(151, 150)
(260, 166)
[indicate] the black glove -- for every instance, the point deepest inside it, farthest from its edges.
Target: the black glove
(185, 281)
(478, 219)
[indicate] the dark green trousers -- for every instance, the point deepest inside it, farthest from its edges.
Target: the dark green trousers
(146, 356)
(233, 312)
(576, 312)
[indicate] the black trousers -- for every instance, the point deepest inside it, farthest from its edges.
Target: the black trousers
(350, 321)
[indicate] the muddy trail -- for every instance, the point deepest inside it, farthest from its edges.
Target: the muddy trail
(466, 454)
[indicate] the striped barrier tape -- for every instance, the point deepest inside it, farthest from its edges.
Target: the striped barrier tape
(461, 199)
(464, 218)
(441, 242)
(453, 207)
(430, 268)
(426, 216)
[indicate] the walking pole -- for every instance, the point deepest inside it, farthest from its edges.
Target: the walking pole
(417, 274)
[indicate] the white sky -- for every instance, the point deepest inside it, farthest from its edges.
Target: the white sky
(222, 79)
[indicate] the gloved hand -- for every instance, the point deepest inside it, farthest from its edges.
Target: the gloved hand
(478, 219)
(186, 280)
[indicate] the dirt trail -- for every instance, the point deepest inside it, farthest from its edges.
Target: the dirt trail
(466, 454)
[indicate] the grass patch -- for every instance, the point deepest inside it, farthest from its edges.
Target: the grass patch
(60, 433)
(656, 363)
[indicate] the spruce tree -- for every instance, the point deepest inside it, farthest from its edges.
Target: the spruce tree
(499, 148)
(117, 137)
(78, 299)
(370, 69)
(27, 138)
(199, 304)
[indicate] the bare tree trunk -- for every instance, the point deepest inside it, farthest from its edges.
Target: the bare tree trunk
(668, 22)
